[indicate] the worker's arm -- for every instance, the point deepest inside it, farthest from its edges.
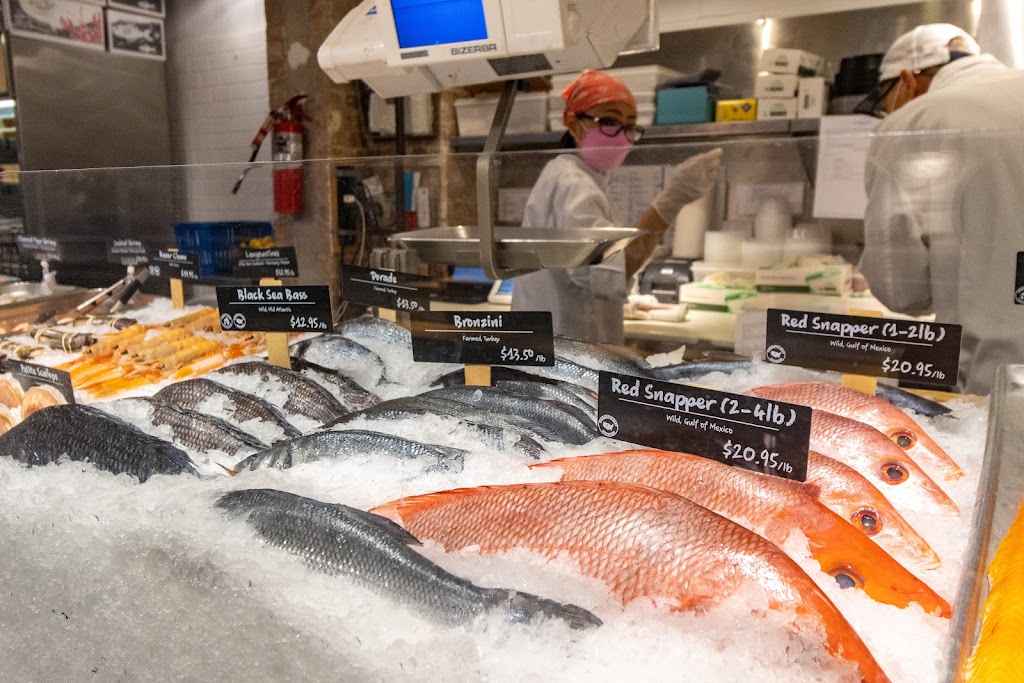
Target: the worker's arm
(689, 181)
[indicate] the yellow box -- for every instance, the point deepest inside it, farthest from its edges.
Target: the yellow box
(736, 110)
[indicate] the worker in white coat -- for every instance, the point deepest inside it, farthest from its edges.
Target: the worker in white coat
(600, 117)
(945, 185)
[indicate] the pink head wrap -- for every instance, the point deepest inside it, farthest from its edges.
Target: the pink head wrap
(592, 88)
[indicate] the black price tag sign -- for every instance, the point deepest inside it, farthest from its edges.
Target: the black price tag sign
(275, 309)
(1018, 290)
(743, 431)
(261, 263)
(384, 289)
(40, 248)
(483, 338)
(31, 375)
(126, 252)
(173, 264)
(877, 347)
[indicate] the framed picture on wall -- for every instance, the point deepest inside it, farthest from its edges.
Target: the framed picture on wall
(62, 21)
(136, 34)
(153, 7)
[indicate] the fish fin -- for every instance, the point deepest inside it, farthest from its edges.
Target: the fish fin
(230, 472)
(396, 510)
(382, 523)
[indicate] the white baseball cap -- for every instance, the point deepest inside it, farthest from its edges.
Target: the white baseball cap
(922, 48)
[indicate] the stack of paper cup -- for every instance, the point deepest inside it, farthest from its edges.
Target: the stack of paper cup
(722, 248)
(760, 253)
(773, 220)
(691, 224)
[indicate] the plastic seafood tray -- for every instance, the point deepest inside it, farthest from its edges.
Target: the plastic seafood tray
(999, 496)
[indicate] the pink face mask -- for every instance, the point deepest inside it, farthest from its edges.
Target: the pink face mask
(604, 153)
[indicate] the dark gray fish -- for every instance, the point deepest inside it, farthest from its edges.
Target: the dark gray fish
(565, 398)
(490, 427)
(697, 369)
(196, 431)
(377, 330)
(546, 418)
(87, 434)
(502, 375)
(375, 553)
(910, 401)
(348, 391)
(338, 445)
(241, 407)
(305, 397)
(339, 353)
(602, 357)
(566, 371)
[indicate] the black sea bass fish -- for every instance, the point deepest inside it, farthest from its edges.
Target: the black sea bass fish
(87, 434)
(374, 552)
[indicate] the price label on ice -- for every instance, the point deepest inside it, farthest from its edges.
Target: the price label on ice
(878, 347)
(126, 252)
(275, 309)
(260, 263)
(173, 264)
(385, 289)
(744, 431)
(473, 338)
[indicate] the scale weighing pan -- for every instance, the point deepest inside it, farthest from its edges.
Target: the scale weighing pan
(518, 249)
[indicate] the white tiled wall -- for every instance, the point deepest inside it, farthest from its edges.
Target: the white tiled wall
(218, 97)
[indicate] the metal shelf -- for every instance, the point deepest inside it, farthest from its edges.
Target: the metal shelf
(657, 134)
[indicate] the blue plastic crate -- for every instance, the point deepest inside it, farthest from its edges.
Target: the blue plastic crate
(214, 242)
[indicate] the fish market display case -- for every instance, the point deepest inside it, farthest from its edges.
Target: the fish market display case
(180, 574)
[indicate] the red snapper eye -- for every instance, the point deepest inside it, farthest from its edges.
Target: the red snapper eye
(894, 473)
(868, 521)
(903, 439)
(846, 577)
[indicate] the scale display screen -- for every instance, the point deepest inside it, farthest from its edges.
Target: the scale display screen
(421, 23)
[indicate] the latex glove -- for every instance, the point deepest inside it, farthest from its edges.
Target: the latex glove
(689, 182)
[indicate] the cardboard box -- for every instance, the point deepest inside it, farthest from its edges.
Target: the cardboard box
(779, 60)
(736, 110)
(830, 280)
(705, 297)
(813, 98)
(685, 105)
(768, 110)
(776, 86)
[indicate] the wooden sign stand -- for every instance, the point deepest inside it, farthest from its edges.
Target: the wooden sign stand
(277, 342)
(478, 375)
(177, 290)
(862, 383)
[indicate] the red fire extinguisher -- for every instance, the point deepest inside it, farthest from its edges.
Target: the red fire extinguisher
(285, 123)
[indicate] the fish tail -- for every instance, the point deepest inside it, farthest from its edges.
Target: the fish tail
(404, 508)
(230, 472)
(520, 608)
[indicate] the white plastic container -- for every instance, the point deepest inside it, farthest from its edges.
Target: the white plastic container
(690, 228)
(741, 227)
(529, 114)
(760, 253)
(722, 248)
(773, 220)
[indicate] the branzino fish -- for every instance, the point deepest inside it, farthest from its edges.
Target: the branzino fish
(882, 415)
(193, 430)
(769, 506)
(239, 406)
(550, 420)
(910, 401)
(639, 541)
(348, 391)
(87, 434)
(305, 397)
(868, 451)
(501, 376)
(375, 553)
(566, 371)
(694, 369)
(341, 354)
(491, 428)
(602, 357)
(375, 330)
(342, 444)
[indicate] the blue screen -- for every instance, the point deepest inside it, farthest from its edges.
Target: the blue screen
(506, 287)
(435, 22)
(462, 274)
